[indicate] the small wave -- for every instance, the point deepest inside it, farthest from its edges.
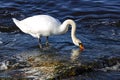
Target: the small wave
(112, 68)
(1, 42)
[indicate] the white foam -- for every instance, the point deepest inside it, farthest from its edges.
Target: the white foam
(112, 68)
(3, 66)
(1, 42)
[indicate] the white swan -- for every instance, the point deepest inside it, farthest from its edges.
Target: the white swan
(45, 25)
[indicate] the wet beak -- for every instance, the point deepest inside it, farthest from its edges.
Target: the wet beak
(81, 47)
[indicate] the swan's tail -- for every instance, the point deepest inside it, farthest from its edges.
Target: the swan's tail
(19, 25)
(16, 21)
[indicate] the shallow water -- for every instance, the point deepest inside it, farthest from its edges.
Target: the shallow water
(98, 27)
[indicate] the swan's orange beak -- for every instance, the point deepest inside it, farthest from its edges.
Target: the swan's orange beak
(81, 47)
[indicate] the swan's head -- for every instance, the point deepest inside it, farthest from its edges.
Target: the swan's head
(77, 42)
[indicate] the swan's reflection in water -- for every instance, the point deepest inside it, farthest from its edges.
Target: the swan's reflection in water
(52, 54)
(75, 54)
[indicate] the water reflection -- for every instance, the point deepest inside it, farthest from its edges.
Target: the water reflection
(75, 54)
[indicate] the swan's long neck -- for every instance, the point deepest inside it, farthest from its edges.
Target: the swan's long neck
(65, 25)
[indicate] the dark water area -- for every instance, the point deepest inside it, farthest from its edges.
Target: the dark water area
(98, 27)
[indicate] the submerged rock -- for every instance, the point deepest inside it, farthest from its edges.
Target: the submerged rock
(49, 65)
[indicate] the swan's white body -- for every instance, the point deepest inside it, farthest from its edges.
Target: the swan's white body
(44, 25)
(40, 25)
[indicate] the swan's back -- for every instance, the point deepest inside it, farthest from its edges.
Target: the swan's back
(39, 25)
